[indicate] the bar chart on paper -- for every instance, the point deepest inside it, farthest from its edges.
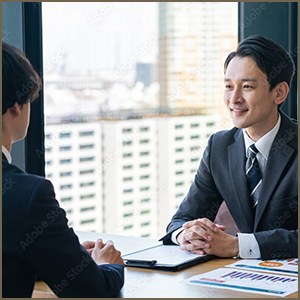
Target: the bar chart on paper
(253, 282)
(283, 266)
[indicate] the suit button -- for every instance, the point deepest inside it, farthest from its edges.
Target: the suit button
(273, 255)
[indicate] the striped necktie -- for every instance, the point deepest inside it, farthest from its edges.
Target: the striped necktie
(253, 174)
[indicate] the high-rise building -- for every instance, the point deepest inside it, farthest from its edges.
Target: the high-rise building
(181, 142)
(191, 51)
(130, 177)
(126, 176)
(73, 151)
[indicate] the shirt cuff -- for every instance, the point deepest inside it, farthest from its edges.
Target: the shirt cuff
(248, 246)
(174, 235)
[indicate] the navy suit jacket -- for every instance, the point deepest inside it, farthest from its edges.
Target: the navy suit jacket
(36, 240)
(221, 177)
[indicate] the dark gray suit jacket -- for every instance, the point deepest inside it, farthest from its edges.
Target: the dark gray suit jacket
(36, 240)
(221, 176)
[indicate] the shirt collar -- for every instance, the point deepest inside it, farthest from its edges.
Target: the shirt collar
(265, 142)
(6, 154)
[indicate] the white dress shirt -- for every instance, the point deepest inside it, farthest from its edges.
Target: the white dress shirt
(6, 154)
(248, 246)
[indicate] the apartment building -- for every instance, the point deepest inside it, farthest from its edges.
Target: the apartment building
(126, 176)
(72, 151)
(130, 177)
(181, 142)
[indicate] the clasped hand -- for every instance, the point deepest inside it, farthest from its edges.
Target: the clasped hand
(103, 252)
(202, 236)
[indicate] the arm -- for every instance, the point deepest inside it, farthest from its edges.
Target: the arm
(56, 255)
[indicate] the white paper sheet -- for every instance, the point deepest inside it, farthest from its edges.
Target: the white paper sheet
(281, 266)
(164, 255)
(245, 281)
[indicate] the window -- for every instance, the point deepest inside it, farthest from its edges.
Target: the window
(65, 174)
(194, 159)
(90, 208)
(65, 161)
(179, 126)
(210, 124)
(194, 171)
(145, 235)
(89, 196)
(195, 148)
(65, 135)
(83, 184)
(127, 130)
(127, 143)
(127, 203)
(144, 153)
(86, 133)
(145, 224)
(87, 221)
(69, 211)
(65, 199)
(127, 178)
(194, 137)
(116, 122)
(146, 188)
(179, 195)
(87, 146)
(65, 148)
(127, 167)
(144, 165)
(179, 161)
(84, 159)
(144, 141)
(145, 212)
(145, 200)
(48, 149)
(126, 215)
(179, 183)
(49, 162)
(65, 186)
(128, 227)
(83, 172)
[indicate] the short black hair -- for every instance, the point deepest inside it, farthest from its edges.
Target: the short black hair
(272, 59)
(20, 82)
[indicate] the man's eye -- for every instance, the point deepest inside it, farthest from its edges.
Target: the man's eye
(246, 86)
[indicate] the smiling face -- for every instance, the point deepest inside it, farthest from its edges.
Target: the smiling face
(248, 98)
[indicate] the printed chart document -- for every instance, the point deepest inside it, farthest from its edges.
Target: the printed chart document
(282, 266)
(164, 257)
(252, 282)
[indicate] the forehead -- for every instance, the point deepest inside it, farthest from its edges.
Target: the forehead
(244, 68)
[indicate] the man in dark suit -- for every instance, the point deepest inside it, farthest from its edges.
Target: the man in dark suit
(36, 239)
(252, 167)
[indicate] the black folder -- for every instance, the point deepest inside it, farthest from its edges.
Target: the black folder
(164, 258)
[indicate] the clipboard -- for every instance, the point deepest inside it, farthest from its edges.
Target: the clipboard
(165, 258)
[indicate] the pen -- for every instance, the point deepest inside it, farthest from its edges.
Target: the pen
(140, 263)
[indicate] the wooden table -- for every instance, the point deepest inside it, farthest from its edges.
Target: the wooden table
(143, 283)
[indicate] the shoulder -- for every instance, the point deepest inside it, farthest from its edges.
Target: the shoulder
(225, 138)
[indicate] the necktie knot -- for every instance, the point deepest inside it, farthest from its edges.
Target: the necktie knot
(252, 151)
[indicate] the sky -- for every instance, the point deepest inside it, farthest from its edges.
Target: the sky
(88, 36)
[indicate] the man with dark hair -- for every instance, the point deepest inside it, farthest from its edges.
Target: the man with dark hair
(252, 167)
(36, 239)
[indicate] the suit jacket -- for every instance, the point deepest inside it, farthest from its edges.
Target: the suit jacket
(221, 177)
(36, 240)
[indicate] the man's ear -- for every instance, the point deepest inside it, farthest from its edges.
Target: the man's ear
(281, 92)
(15, 110)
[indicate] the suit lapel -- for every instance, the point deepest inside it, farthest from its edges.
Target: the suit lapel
(280, 154)
(237, 160)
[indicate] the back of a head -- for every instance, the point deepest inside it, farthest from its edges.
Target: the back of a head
(272, 59)
(20, 82)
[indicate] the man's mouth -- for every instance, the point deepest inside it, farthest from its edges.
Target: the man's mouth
(238, 111)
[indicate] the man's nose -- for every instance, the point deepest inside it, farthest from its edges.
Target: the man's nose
(236, 96)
